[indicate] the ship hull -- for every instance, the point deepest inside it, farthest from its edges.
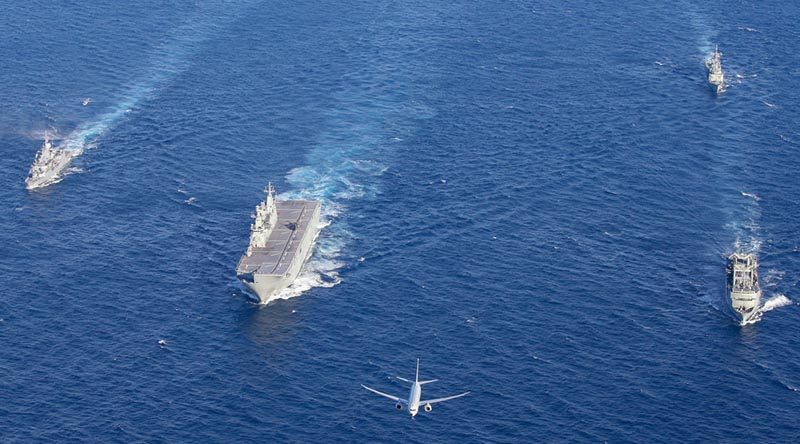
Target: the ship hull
(716, 85)
(716, 77)
(41, 182)
(744, 305)
(266, 287)
(50, 177)
(746, 319)
(267, 275)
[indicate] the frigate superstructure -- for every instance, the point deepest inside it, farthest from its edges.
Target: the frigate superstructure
(715, 75)
(50, 161)
(743, 289)
(281, 238)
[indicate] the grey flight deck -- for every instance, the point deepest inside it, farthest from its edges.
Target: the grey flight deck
(283, 242)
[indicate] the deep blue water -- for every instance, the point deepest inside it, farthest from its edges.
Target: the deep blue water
(535, 198)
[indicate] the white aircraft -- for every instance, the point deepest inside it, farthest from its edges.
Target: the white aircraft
(414, 396)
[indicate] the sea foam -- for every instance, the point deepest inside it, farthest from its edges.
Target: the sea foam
(777, 301)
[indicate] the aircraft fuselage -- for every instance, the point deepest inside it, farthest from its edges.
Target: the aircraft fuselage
(413, 398)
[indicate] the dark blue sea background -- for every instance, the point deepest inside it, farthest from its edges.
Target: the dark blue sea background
(535, 198)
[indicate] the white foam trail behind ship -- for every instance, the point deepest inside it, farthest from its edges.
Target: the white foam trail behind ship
(748, 240)
(774, 302)
(342, 168)
(166, 63)
(702, 25)
(333, 182)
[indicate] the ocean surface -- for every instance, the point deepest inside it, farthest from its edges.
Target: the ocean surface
(535, 198)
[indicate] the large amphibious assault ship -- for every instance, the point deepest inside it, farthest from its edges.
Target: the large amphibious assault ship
(743, 288)
(48, 165)
(280, 242)
(715, 76)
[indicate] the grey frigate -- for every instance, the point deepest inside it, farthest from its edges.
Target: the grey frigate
(281, 237)
(716, 78)
(743, 289)
(50, 161)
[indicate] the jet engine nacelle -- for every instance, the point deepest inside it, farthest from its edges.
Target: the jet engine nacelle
(428, 407)
(399, 406)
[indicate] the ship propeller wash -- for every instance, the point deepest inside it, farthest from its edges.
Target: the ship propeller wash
(743, 287)
(715, 76)
(281, 238)
(50, 161)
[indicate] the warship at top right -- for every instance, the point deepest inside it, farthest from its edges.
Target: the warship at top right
(715, 76)
(743, 288)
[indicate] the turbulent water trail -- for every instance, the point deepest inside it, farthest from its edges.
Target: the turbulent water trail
(339, 170)
(706, 32)
(774, 302)
(744, 215)
(166, 62)
(740, 204)
(344, 167)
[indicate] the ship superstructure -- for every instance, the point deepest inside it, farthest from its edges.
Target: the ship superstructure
(743, 289)
(50, 161)
(715, 75)
(281, 237)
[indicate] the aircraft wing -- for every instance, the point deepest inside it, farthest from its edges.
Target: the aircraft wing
(385, 395)
(434, 401)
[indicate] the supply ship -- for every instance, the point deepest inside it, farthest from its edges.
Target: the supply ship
(743, 288)
(715, 76)
(48, 165)
(281, 238)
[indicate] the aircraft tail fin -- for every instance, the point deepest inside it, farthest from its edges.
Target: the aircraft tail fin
(427, 382)
(417, 377)
(404, 379)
